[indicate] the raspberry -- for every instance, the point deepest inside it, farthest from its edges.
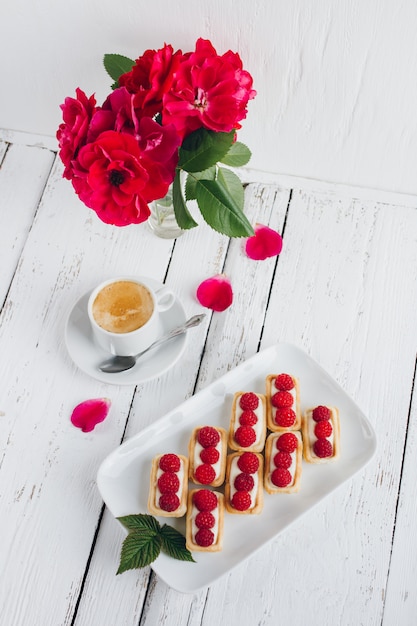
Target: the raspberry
(321, 413)
(284, 382)
(285, 417)
(282, 399)
(323, 429)
(204, 537)
(248, 462)
(170, 463)
(245, 436)
(208, 437)
(281, 477)
(288, 442)
(241, 500)
(169, 502)
(209, 455)
(205, 500)
(244, 482)
(283, 460)
(205, 474)
(168, 482)
(248, 418)
(204, 520)
(248, 401)
(323, 448)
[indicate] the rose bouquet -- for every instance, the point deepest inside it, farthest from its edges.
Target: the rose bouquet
(171, 119)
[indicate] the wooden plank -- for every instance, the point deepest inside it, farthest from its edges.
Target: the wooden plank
(400, 597)
(23, 175)
(53, 493)
(345, 308)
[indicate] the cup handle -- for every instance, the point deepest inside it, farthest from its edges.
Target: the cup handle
(165, 298)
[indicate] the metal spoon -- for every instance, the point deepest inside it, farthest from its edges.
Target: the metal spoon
(118, 364)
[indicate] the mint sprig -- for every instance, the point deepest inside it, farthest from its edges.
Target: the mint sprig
(146, 539)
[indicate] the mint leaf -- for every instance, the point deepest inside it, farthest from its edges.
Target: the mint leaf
(193, 178)
(116, 65)
(145, 540)
(203, 148)
(220, 210)
(238, 155)
(182, 215)
(140, 521)
(173, 543)
(139, 549)
(232, 183)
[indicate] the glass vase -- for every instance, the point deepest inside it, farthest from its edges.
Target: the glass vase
(162, 220)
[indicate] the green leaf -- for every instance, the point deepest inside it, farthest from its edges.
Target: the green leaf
(194, 177)
(116, 65)
(139, 549)
(238, 155)
(182, 215)
(203, 148)
(220, 210)
(140, 521)
(233, 184)
(173, 543)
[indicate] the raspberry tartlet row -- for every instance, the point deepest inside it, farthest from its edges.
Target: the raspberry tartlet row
(247, 473)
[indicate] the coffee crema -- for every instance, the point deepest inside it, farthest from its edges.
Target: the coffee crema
(122, 306)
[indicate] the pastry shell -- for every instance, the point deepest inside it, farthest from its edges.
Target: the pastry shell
(221, 446)
(259, 444)
(152, 504)
(270, 451)
(270, 408)
(259, 495)
(308, 453)
(190, 544)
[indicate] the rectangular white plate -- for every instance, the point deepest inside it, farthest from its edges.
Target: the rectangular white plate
(123, 478)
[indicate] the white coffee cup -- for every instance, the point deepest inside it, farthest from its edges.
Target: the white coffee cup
(124, 314)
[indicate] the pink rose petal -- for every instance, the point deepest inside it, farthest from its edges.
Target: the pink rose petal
(215, 293)
(90, 413)
(263, 244)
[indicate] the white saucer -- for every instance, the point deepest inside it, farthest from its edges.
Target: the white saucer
(87, 355)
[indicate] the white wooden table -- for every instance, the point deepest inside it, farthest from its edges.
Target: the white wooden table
(344, 289)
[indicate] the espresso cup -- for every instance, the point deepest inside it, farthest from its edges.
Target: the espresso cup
(124, 314)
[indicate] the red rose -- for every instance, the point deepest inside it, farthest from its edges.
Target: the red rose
(117, 113)
(208, 90)
(116, 179)
(150, 78)
(72, 133)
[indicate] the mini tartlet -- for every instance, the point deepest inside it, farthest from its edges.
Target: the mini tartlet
(244, 484)
(168, 485)
(207, 450)
(321, 434)
(283, 462)
(204, 521)
(283, 402)
(247, 430)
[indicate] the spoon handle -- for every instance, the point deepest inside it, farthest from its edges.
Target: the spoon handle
(193, 321)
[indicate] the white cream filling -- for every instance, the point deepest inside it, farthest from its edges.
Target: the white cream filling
(311, 434)
(258, 427)
(235, 471)
(180, 475)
